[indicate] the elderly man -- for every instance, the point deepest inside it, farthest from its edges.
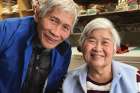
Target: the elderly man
(34, 53)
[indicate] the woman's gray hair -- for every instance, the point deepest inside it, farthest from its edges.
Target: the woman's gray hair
(67, 5)
(100, 23)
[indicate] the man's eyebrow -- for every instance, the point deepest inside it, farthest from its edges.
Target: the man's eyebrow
(90, 37)
(57, 19)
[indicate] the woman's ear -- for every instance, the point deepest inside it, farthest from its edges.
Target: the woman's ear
(36, 10)
(115, 49)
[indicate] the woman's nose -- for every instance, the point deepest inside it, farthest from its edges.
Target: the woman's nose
(98, 47)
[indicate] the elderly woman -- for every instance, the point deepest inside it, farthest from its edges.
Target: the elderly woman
(101, 74)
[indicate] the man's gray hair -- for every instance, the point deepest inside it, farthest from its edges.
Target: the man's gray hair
(100, 23)
(66, 5)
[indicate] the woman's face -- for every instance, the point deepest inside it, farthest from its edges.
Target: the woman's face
(98, 48)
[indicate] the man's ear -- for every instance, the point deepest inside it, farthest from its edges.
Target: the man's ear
(79, 48)
(36, 10)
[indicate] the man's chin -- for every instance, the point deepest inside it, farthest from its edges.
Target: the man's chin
(50, 46)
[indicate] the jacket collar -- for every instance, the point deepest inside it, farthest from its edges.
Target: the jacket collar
(122, 82)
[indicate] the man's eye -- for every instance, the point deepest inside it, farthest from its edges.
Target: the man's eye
(66, 28)
(91, 40)
(53, 20)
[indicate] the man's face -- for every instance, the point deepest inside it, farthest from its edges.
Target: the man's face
(55, 27)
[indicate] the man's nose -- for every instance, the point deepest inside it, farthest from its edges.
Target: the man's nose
(56, 31)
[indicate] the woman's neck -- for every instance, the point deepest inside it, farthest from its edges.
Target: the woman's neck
(101, 75)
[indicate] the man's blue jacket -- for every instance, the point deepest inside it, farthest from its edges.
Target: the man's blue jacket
(16, 36)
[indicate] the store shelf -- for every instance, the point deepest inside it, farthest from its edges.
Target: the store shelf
(127, 24)
(95, 1)
(19, 8)
(120, 17)
(9, 15)
(28, 12)
(137, 11)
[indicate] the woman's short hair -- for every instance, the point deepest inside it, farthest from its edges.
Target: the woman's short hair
(66, 5)
(100, 23)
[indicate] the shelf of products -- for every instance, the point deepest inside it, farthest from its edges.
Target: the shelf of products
(126, 21)
(95, 1)
(132, 12)
(15, 8)
(88, 7)
(118, 17)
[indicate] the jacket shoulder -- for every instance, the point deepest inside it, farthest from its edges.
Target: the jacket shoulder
(124, 66)
(64, 47)
(14, 28)
(11, 25)
(73, 79)
(75, 73)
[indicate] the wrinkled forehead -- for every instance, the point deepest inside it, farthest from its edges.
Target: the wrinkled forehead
(59, 16)
(104, 31)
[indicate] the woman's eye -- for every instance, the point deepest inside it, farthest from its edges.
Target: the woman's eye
(105, 43)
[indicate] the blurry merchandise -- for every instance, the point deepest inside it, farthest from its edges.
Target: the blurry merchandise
(96, 8)
(122, 49)
(9, 6)
(27, 4)
(92, 9)
(15, 8)
(122, 5)
(82, 9)
(138, 1)
(110, 7)
(132, 4)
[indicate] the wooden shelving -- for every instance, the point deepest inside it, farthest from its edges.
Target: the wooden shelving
(9, 15)
(95, 1)
(120, 17)
(24, 9)
(127, 24)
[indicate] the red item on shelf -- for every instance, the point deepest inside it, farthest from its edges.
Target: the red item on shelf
(122, 49)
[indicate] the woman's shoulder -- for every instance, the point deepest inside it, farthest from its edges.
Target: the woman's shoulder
(78, 70)
(123, 66)
(138, 79)
(74, 76)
